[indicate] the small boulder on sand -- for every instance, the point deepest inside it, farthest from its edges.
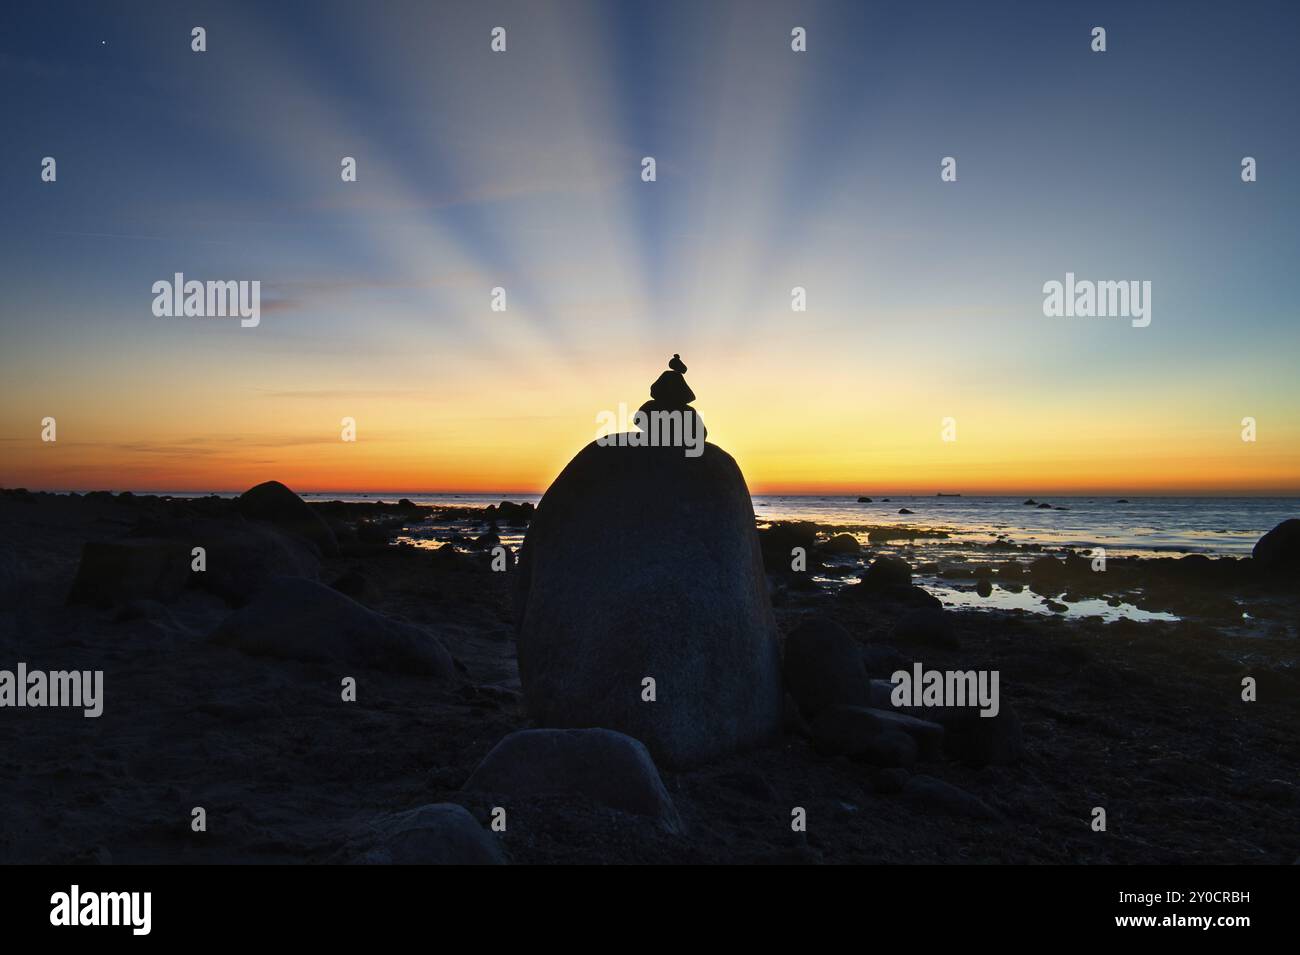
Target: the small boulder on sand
(437, 834)
(610, 769)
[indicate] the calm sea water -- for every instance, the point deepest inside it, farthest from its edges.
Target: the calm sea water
(1142, 525)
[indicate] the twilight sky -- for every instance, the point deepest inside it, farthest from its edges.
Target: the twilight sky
(775, 169)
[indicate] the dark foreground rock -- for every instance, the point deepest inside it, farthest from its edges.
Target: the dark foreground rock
(838, 732)
(779, 540)
(1150, 711)
(299, 619)
(864, 732)
(608, 768)
(437, 834)
(643, 564)
(968, 737)
(240, 556)
(117, 572)
(823, 667)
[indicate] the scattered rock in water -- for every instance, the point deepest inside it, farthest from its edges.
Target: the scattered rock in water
(1011, 570)
(641, 564)
(609, 768)
(886, 572)
(983, 587)
(1122, 501)
(778, 540)
(842, 544)
(864, 500)
(437, 834)
(1279, 549)
(903, 510)
(297, 619)
(930, 793)
(889, 579)
(823, 666)
(1044, 507)
(1031, 503)
(274, 503)
(927, 625)
(512, 514)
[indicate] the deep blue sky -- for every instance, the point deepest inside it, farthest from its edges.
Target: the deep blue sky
(775, 170)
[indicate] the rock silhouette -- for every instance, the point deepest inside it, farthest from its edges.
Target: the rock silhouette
(437, 834)
(609, 768)
(1279, 549)
(274, 503)
(642, 562)
(670, 393)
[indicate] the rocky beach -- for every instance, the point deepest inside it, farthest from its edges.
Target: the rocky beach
(654, 676)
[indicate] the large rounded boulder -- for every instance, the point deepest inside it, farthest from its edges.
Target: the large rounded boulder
(274, 503)
(643, 563)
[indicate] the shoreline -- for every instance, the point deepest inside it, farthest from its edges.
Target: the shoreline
(1138, 715)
